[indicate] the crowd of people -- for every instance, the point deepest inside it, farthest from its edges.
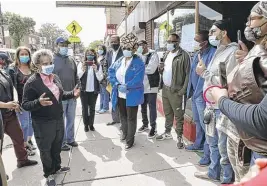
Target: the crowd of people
(225, 81)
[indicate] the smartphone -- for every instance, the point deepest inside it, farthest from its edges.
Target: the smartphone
(238, 35)
(89, 63)
(222, 74)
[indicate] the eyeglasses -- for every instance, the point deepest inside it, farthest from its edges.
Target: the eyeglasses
(252, 18)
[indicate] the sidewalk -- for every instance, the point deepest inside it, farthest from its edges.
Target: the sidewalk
(100, 160)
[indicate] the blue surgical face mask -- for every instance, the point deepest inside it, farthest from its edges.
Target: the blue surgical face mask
(170, 47)
(90, 57)
(47, 70)
(63, 51)
(140, 50)
(100, 52)
(24, 59)
(127, 53)
(213, 41)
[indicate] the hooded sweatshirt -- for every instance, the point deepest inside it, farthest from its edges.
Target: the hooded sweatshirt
(211, 74)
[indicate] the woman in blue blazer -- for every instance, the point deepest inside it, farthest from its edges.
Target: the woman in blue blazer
(126, 77)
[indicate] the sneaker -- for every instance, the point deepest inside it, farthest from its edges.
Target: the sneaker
(63, 170)
(204, 176)
(50, 181)
(204, 162)
(102, 111)
(112, 123)
(73, 144)
(92, 128)
(164, 136)
(86, 128)
(143, 129)
(128, 147)
(65, 147)
(192, 148)
(152, 133)
(31, 145)
(180, 143)
(26, 163)
(29, 150)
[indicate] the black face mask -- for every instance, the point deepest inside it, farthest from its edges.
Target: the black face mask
(115, 46)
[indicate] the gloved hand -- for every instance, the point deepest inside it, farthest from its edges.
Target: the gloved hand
(122, 88)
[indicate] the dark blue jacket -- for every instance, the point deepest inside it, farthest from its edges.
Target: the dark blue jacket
(206, 56)
(134, 78)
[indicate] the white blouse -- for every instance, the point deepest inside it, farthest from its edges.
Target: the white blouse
(120, 74)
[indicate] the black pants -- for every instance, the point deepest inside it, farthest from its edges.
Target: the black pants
(88, 107)
(150, 100)
(128, 117)
(49, 137)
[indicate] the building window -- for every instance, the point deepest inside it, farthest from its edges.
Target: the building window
(161, 29)
(182, 22)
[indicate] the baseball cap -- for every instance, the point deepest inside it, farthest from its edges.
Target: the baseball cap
(62, 40)
(3, 56)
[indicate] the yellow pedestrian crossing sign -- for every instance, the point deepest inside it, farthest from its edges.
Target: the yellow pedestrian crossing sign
(74, 28)
(74, 39)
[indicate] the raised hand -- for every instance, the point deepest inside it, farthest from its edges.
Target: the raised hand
(45, 101)
(241, 53)
(200, 66)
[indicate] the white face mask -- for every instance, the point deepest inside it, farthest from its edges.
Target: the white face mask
(197, 46)
(127, 53)
(213, 41)
(170, 47)
(47, 70)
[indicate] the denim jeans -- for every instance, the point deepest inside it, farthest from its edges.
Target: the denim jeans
(255, 156)
(104, 98)
(198, 107)
(26, 124)
(69, 108)
(150, 99)
(214, 167)
(227, 169)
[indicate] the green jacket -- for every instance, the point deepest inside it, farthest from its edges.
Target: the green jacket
(180, 71)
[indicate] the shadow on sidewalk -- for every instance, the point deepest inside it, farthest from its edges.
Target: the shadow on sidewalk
(109, 152)
(148, 161)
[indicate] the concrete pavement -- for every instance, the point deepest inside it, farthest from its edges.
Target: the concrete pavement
(100, 160)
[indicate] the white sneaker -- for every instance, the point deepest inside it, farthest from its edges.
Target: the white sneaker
(164, 136)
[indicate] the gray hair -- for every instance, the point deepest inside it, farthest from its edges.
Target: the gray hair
(36, 63)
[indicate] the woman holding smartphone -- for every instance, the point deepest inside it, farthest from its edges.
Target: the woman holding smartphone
(20, 71)
(90, 73)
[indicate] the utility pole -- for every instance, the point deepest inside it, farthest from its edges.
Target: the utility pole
(2, 25)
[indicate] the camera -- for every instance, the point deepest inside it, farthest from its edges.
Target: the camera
(208, 116)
